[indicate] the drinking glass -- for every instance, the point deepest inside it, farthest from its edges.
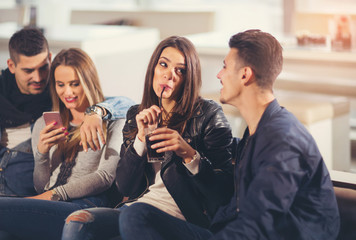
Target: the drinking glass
(152, 154)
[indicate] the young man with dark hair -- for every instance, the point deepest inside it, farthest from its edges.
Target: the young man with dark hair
(24, 96)
(282, 186)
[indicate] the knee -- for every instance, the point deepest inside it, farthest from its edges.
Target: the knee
(81, 216)
(93, 223)
(134, 215)
(131, 220)
(76, 224)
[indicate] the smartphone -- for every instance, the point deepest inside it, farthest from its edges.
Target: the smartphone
(51, 117)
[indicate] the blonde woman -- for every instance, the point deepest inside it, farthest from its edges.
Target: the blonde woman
(65, 176)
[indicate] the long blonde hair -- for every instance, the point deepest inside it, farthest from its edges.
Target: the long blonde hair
(86, 71)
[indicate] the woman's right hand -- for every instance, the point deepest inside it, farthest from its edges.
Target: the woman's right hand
(145, 118)
(49, 136)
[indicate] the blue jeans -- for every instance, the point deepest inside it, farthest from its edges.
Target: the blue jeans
(143, 221)
(92, 223)
(137, 221)
(40, 219)
(16, 175)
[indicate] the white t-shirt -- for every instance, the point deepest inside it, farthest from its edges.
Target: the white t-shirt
(158, 195)
(11, 137)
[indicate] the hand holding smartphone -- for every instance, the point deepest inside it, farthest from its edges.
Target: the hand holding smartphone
(50, 137)
(51, 117)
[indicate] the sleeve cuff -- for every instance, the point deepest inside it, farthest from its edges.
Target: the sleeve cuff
(193, 166)
(107, 110)
(140, 147)
(41, 156)
(61, 192)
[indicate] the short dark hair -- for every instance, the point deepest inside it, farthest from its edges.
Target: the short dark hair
(260, 51)
(27, 41)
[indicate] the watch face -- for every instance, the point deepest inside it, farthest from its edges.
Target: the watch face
(90, 109)
(94, 110)
(98, 111)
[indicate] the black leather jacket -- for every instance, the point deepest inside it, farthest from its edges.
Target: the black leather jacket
(197, 196)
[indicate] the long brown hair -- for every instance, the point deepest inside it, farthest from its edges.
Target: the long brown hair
(188, 94)
(85, 69)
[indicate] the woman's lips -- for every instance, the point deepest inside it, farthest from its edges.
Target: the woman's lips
(70, 100)
(165, 86)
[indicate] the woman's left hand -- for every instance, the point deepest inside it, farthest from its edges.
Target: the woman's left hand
(172, 141)
(43, 196)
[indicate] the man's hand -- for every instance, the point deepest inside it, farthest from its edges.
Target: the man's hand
(91, 128)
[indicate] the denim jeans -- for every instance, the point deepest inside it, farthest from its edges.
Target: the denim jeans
(137, 221)
(16, 175)
(143, 221)
(40, 219)
(94, 223)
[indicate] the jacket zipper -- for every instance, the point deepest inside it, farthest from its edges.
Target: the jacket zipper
(239, 173)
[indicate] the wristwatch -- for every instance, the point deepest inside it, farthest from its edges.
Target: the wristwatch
(94, 110)
(55, 196)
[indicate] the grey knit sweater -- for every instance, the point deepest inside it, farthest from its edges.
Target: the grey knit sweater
(93, 173)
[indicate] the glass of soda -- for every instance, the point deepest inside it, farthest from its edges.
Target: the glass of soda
(152, 155)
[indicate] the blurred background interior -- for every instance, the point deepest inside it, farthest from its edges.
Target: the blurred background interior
(317, 84)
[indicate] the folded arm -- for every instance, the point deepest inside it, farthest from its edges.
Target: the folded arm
(91, 130)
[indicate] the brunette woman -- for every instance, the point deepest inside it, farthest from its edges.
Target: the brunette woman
(196, 175)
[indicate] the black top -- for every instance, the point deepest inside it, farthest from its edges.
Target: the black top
(17, 108)
(197, 196)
